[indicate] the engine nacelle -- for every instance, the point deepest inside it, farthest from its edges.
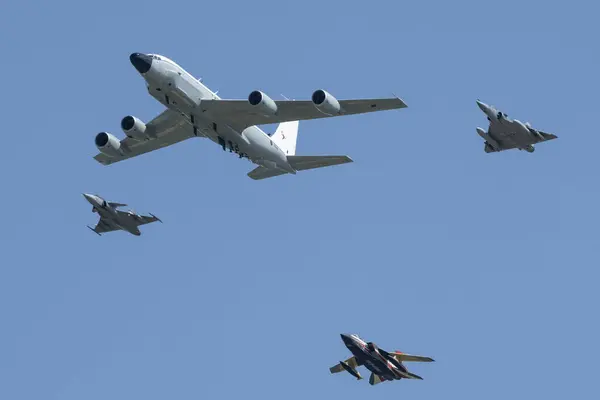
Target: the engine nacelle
(108, 144)
(325, 102)
(134, 128)
(262, 102)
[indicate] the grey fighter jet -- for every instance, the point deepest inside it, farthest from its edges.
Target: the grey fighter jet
(384, 366)
(505, 133)
(112, 219)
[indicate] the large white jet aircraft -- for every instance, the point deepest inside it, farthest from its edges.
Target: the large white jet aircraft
(193, 110)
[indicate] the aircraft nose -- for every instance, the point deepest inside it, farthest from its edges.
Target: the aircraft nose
(482, 105)
(346, 338)
(141, 62)
(89, 197)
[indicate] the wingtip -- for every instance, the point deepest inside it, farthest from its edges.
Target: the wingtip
(158, 219)
(402, 101)
(92, 229)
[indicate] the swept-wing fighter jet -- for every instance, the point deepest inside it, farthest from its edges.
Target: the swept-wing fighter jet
(193, 110)
(384, 366)
(112, 219)
(505, 133)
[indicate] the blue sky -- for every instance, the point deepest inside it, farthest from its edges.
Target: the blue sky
(486, 262)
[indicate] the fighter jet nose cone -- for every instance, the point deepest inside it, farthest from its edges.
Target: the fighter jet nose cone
(141, 62)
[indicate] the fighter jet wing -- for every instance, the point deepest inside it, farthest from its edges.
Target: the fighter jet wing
(352, 362)
(544, 136)
(240, 114)
(104, 226)
(498, 133)
(169, 127)
(138, 219)
(410, 357)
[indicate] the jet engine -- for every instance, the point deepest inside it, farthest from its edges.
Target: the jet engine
(108, 144)
(263, 102)
(134, 128)
(325, 102)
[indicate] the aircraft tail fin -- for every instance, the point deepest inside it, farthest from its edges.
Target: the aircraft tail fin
(374, 379)
(286, 137)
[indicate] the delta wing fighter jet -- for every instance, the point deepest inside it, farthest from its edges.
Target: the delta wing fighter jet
(193, 110)
(505, 133)
(112, 219)
(384, 366)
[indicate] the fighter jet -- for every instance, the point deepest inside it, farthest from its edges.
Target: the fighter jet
(505, 133)
(384, 366)
(193, 110)
(112, 219)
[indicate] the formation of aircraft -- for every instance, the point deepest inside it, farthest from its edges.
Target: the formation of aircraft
(193, 110)
(113, 219)
(505, 133)
(384, 366)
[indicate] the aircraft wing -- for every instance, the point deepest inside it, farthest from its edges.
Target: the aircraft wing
(169, 127)
(239, 114)
(410, 357)
(139, 219)
(546, 136)
(104, 226)
(338, 367)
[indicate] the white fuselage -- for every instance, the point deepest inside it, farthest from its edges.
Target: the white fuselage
(178, 90)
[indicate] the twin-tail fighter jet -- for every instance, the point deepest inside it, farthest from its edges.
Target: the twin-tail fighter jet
(112, 219)
(505, 133)
(384, 366)
(193, 110)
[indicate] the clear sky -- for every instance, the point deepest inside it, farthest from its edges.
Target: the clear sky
(425, 244)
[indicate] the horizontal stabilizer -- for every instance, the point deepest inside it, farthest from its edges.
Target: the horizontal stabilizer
(409, 375)
(300, 163)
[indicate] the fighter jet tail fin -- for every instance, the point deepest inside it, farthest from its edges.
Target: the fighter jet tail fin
(375, 379)
(286, 137)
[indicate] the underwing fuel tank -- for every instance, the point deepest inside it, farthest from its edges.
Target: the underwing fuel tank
(488, 138)
(350, 370)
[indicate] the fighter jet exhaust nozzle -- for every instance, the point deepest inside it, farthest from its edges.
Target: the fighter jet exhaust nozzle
(108, 144)
(263, 102)
(325, 102)
(350, 370)
(134, 128)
